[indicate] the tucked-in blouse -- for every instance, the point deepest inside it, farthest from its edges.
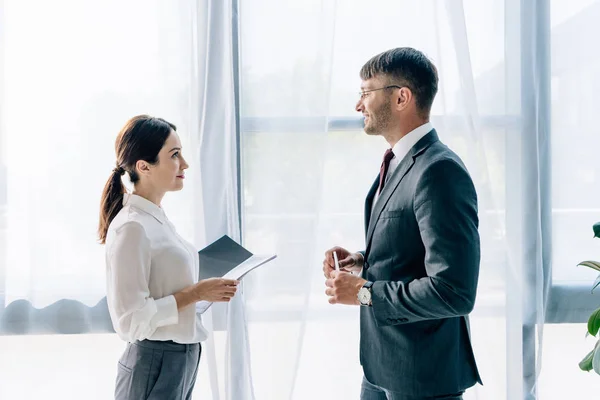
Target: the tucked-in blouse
(146, 263)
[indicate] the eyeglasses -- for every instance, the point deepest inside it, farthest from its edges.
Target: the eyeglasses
(363, 93)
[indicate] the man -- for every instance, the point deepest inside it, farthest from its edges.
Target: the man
(417, 278)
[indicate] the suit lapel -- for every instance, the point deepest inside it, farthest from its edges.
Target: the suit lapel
(399, 173)
(386, 193)
(369, 202)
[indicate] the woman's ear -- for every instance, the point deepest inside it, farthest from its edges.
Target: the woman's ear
(142, 167)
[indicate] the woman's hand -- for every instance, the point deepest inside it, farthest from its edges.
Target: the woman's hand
(212, 289)
(215, 289)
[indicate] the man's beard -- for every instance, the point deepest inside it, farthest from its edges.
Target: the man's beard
(378, 125)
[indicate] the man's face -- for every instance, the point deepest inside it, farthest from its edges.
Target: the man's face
(375, 105)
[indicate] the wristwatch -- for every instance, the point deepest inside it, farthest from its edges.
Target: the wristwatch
(364, 294)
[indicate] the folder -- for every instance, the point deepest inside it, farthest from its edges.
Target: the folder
(225, 258)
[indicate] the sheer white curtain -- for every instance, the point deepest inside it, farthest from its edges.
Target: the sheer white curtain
(217, 79)
(307, 166)
(72, 73)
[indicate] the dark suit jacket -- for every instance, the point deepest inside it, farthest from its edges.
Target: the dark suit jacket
(423, 255)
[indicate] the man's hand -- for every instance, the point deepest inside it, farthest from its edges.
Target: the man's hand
(342, 288)
(349, 262)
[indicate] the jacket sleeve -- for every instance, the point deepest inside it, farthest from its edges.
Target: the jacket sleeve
(445, 207)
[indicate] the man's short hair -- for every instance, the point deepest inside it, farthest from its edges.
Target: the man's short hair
(405, 66)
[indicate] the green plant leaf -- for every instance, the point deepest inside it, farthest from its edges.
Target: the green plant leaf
(596, 360)
(596, 283)
(591, 264)
(597, 229)
(586, 363)
(594, 322)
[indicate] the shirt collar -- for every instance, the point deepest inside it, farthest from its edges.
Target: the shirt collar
(145, 205)
(403, 146)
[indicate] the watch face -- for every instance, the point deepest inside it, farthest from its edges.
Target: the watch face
(364, 296)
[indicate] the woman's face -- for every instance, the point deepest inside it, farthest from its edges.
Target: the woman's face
(168, 173)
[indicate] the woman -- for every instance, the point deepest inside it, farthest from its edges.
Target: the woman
(152, 272)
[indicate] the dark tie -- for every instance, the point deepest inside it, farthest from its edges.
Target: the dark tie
(385, 165)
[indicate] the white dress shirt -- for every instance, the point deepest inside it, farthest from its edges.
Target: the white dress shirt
(146, 263)
(401, 149)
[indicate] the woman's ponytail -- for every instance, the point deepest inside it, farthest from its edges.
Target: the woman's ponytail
(112, 201)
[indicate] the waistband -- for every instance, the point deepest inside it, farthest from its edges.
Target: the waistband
(168, 345)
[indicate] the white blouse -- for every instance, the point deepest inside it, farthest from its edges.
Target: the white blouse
(146, 263)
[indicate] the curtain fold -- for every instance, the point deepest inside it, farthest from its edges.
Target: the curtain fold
(217, 26)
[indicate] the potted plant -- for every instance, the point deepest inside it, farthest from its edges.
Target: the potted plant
(592, 359)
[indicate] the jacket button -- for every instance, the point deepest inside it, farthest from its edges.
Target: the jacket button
(366, 265)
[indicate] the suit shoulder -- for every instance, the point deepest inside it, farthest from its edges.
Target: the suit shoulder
(442, 172)
(440, 157)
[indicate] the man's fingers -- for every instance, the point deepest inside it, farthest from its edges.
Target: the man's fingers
(329, 254)
(327, 270)
(329, 262)
(327, 266)
(347, 262)
(329, 283)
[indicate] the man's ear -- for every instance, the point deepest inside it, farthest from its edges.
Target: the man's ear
(403, 98)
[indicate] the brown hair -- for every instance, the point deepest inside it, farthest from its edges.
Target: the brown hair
(141, 138)
(407, 67)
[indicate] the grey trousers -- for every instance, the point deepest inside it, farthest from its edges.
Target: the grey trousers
(369, 391)
(155, 370)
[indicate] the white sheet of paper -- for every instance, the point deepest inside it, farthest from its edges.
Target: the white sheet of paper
(238, 273)
(336, 262)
